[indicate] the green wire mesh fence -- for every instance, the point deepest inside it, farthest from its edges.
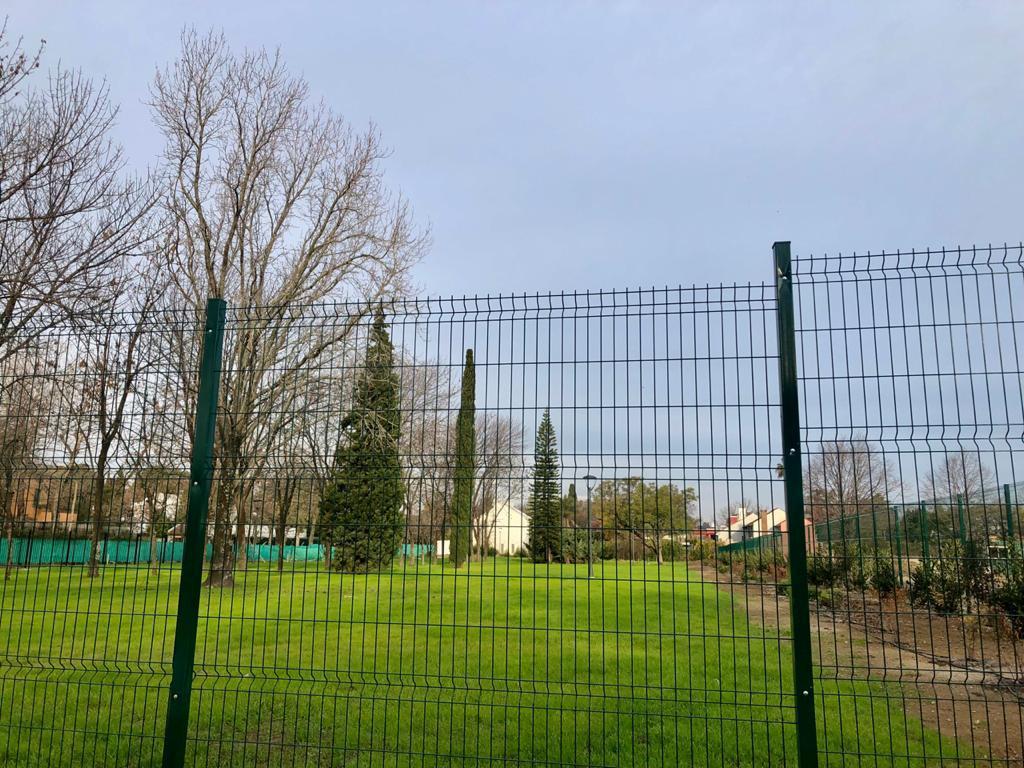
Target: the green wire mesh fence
(913, 413)
(544, 529)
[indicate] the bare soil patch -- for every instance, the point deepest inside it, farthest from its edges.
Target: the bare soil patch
(962, 676)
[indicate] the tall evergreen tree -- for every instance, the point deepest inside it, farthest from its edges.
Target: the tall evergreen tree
(361, 508)
(465, 466)
(570, 504)
(545, 498)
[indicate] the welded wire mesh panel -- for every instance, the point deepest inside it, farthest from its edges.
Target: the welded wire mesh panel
(912, 411)
(93, 457)
(569, 552)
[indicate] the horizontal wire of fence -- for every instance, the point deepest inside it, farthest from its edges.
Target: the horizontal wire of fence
(544, 529)
(912, 410)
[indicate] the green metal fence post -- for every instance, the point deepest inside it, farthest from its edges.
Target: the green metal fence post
(195, 538)
(803, 670)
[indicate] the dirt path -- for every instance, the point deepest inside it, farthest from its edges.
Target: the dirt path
(956, 677)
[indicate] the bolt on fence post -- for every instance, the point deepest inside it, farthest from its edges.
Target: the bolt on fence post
(803, 670)
(200, 478)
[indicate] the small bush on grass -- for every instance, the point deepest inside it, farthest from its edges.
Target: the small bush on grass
(672, 551)
(577, 546)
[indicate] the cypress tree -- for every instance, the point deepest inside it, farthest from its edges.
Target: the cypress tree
(545, 500)
(465, 466)
(571, 502)
(361, 508)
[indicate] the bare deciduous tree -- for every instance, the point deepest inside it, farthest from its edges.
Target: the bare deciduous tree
(430, 477)
(22, 416)
(117, 354)
(276, 204)
(848, 478)
(959, 474)
(499, 465)
(68, 216)
(159, 440)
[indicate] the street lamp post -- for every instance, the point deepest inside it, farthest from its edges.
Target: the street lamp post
(590, 480)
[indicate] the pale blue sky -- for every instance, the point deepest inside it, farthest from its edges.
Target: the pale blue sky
(559, 145)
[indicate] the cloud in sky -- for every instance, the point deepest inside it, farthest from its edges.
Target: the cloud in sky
(568, 145)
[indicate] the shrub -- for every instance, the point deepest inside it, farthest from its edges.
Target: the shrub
(939, 584)
(824, 570)
(920, 587)
(575, 546)
(702, 550)
(975, 572)
(672, 551)
(762, 561)
(856, 574)
(883, 578)
(1008, 596)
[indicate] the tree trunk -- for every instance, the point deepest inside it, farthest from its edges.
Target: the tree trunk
(97, 522)
(153, 560)
(221, 573)
(241, 539)
(57, 503)
(7, 507)
(9, 565)
(282, 524)
(73, 517)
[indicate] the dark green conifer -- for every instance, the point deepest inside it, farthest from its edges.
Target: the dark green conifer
(545, 505)
(465, 466)
(361, 516)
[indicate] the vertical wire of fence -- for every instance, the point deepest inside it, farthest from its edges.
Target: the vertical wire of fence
(567, 606)
(912, 415)
(543, 529)
(94, 450)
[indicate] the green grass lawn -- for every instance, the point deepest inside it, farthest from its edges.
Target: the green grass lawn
(504, 662)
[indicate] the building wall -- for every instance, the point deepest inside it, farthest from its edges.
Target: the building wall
(508, 529)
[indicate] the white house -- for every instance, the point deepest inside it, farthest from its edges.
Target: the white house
(503, 527)
(743, 525)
